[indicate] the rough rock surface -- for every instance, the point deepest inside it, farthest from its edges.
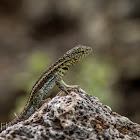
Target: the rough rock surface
(75, 116)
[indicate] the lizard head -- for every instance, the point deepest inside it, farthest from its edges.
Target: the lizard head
(77, 53)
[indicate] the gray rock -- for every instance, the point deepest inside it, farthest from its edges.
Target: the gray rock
(75, 116)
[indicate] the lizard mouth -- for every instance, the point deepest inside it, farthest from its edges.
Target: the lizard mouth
(89, 50)
(86, 51)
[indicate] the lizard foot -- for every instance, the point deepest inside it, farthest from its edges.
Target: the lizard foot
(45, 101)
(61, 93)
(73, 87)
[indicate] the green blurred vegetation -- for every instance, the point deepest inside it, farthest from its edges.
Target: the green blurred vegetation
(96, 76)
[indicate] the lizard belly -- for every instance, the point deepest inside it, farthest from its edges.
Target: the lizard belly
(48, 87)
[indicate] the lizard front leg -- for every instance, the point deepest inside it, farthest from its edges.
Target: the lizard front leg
(64, 87)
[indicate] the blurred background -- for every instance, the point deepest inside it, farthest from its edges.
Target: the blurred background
(34, 34)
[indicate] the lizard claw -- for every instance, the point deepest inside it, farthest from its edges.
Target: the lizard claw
(73, 87)
(15, 114)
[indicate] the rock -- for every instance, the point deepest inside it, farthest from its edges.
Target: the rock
(75, 116)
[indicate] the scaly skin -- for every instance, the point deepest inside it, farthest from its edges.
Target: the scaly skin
(49, 79)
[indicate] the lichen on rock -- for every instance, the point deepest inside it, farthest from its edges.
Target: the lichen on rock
(75, 116)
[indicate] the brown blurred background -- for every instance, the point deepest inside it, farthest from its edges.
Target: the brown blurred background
(33, 34)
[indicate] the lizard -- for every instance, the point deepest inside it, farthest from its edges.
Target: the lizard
(53, 76)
